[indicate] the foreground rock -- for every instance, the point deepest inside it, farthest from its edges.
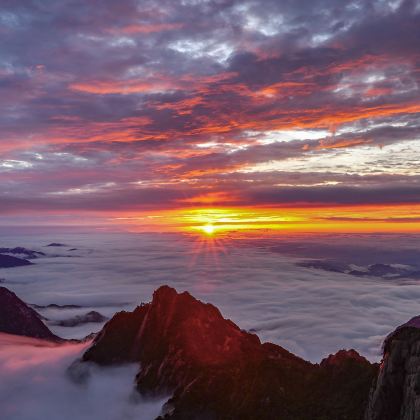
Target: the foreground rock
(214, 370)
(396, 392)
(19, 319)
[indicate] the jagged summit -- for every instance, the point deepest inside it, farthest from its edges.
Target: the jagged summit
(413, 322)
(342, 356)
(215, 370)
(174, 319)
(18, 318)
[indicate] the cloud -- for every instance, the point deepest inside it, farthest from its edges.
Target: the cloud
(135, 89)
(254, 280)
(35, 385)
(339, 195)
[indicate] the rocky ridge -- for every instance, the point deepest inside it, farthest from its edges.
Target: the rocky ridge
(215, 370)
(17, 318)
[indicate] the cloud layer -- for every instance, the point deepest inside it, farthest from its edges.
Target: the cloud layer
(254, 281)
(139, 105)
(35, 385)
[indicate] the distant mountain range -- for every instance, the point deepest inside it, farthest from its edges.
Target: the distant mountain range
(89, 317)
(17, 256)
(28, 253)
(17, 318)
(385, 271)
(8, 261)
(20, 256)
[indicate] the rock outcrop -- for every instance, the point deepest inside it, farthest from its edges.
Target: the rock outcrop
(396, 392)
(92, 316)
(215, 370)
(8, 261)
(20, 251)
(18, 318)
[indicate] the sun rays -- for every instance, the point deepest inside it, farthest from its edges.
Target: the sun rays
(223, 221)
(208, 229)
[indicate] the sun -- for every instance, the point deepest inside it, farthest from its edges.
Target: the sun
(208, 229)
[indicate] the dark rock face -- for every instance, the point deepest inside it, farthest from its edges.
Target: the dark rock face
(396, 392)
(7, 261)
(91, 316)
(214, 370)
(18, 318)
(28, 253)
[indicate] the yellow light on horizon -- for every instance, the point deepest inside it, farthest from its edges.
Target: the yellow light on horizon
(208, 229)
(214, 221)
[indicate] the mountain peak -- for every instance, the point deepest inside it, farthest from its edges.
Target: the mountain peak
(214, 370)
(16, 317)
(343, 356)
(178, 320)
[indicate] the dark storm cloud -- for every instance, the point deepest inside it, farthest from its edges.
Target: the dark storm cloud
(104, 198)
(339, 195)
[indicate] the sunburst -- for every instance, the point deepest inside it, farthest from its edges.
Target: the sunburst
(208, 229)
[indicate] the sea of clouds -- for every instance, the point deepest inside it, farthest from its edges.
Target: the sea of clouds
(35, 385)
(254, 281)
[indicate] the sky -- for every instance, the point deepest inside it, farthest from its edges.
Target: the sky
(300, 115)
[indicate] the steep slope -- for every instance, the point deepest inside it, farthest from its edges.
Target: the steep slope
(396, 392)
(18, 318)
(214, 370)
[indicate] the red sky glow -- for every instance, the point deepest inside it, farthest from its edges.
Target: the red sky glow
(298, 115)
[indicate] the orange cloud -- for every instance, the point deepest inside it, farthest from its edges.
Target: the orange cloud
(124, 87)
(377, 91)
(183, 107)
(333, 143)
(144, 28)
(287, 88)
(210, 198)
